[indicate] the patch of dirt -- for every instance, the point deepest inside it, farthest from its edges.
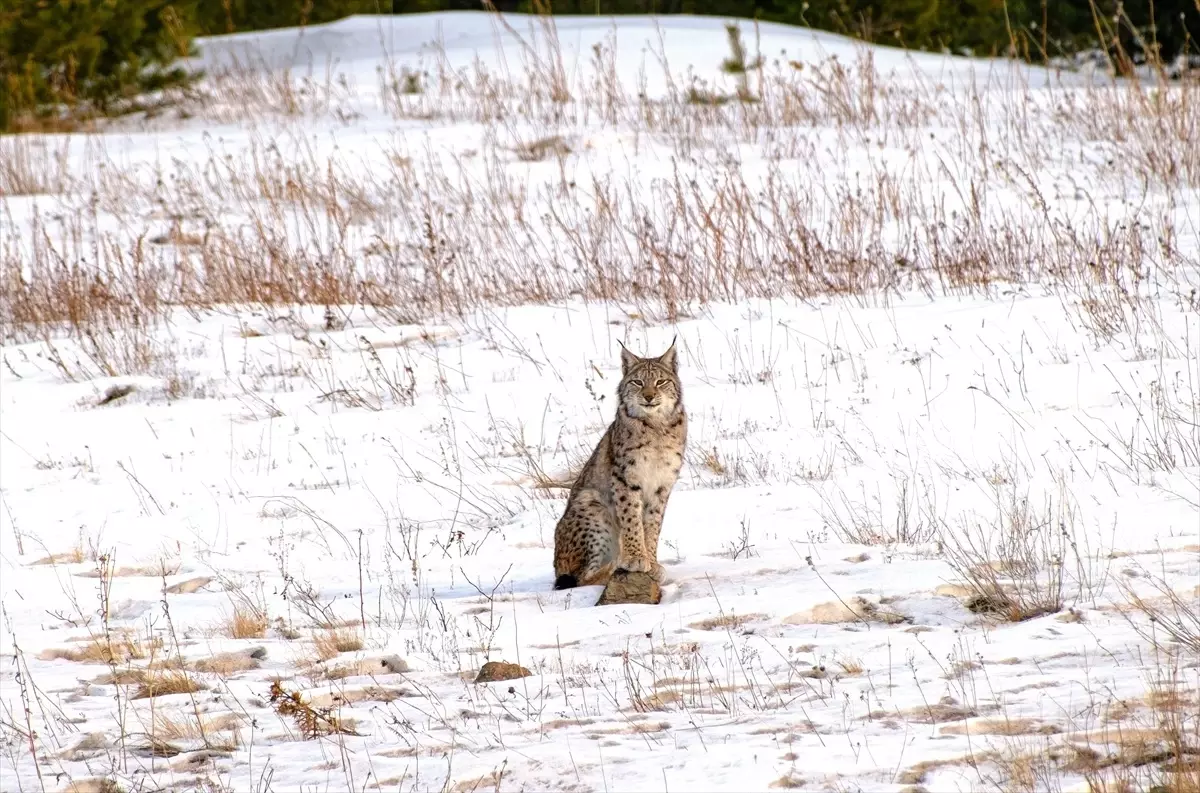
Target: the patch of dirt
(156, 570)
(66, 557)
(788, 782)
(1000, 727)
(352, 696)
(727, 621)
(225, 664)
(189, 586)
(916, 774)
(947, 709)
(953, 591)
(573, 643)
(497, 671)
(852, 609)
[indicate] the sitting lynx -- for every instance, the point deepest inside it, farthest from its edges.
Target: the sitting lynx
(615, 511)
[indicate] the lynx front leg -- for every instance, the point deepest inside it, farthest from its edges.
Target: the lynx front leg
(631, 536)
(652, 518)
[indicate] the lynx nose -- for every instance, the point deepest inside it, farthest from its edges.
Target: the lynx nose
(649, 394)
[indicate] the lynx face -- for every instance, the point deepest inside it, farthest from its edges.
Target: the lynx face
(650, 386)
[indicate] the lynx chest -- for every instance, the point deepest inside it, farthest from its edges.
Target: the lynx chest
(652, 463)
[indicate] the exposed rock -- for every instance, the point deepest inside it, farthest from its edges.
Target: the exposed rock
(116, 392)
(495, 671)
(634, 588)
(394, 664)
(989, 604)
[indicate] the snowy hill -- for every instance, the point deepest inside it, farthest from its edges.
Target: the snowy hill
(294, 368)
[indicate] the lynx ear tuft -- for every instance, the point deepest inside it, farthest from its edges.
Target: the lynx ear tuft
(669, 358)
(628, 359)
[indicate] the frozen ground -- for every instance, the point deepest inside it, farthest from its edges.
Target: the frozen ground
(286, 377)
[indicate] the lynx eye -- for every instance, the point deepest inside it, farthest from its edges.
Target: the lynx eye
(660, 383)
(637, 383)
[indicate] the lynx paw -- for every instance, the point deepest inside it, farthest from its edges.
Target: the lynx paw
(635, 564)
(656, 571)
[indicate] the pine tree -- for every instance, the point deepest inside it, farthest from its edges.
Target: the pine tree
(67, 53)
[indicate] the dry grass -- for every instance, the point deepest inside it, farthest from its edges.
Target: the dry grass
(413, 236)
(32, 166)
(217, 732)
(335, 641)
(788, 782)
(73, 556)
(156, 570)
(916, 774)
(999, 726)
(1022, 563)
(711, 461)
(246, 623)
(95, 785)
(312, 722)
(225, 664)
(489, 781)
(726, 621)
(165, 682)
(1028, 767)
(354, 695)
(1147, 744)
(851, 667)
(939, 712)
(409, 237)
(1163, 613)
(118, 648)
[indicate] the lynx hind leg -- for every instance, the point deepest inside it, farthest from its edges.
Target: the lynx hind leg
(587, 543)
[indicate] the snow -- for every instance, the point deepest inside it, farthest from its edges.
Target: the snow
(839, 445)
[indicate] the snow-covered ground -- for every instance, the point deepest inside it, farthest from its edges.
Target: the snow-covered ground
(360, 303)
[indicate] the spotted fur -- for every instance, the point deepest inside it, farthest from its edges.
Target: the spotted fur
(615, 510)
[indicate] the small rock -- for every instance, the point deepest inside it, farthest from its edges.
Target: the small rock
(189, 586)
(495, 671)
(634, 588)
(116, 392)
(394, 664)
(988, 604)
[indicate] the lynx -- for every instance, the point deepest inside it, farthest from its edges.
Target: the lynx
(615, 510)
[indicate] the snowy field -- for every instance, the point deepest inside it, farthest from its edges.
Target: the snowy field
(295, 370)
